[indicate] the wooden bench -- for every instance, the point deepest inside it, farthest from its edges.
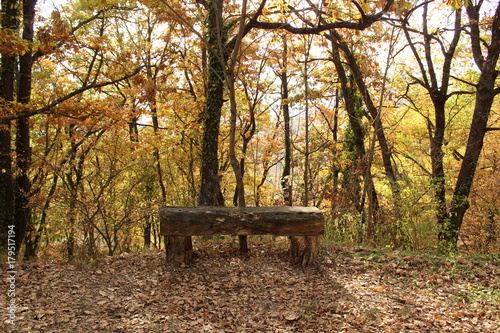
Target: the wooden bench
(303, 225)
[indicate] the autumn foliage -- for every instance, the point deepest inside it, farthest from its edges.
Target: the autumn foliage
(380, 113)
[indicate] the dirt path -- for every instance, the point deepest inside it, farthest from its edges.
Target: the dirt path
(352, 290)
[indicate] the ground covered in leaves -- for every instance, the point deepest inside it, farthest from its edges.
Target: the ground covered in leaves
(351, 290)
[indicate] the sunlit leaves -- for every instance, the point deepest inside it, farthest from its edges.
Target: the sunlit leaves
(455, 4)
(11, 43)
(52, 34)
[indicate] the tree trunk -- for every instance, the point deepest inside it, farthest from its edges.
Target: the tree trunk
(438, 96)
(214, 90)
(373, 112)
(147, 232)
(437, 155)
(7, 77)
(485, 94)
(286, 182)
(239, 195)
(354, 117)
(305, 200)
(210, 192)
(359, 162)
(22, 209)
(437, 88)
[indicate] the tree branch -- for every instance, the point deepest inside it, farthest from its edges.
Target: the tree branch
(461, 92)
(48, 107)
(365, 22)
(251, 24)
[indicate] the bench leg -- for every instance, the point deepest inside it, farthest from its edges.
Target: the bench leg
(179, 249)
(304, 250)
(243, 240)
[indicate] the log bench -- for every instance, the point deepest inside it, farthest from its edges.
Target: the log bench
(303, 225)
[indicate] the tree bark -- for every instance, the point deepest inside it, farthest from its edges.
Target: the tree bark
(22, 209)
(214, 90)
(7, 79)
(286, 181)
(307, 153)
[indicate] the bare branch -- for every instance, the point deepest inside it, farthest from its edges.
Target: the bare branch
(460, 92)
(365, 22)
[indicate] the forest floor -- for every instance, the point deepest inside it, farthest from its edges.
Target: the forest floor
(351, 290)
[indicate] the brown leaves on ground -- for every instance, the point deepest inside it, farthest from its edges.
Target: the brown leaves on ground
(352, 290)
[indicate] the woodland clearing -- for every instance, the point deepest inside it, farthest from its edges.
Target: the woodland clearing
(353, 289)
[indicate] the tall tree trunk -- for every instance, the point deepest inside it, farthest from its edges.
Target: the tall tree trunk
(214, 90)
(438, 92)
(239, 196)
(306, 98)
(354, 121)
(286, 181)
(335, 154)
(485, 94)
(372, 111)
(374, 115)
(210, 193)
(7, 79)
(437, 156)
(438, 97)
(22, 210)
(359, 163)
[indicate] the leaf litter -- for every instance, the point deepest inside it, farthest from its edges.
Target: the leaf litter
(351, 290)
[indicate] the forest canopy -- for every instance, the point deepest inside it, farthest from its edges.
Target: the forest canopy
(384, 114)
